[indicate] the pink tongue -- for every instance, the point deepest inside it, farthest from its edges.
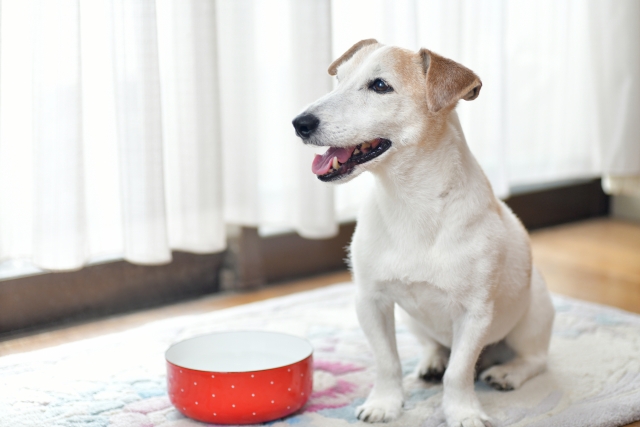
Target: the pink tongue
(322, 163)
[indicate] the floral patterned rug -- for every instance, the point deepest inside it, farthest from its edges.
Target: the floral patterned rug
(119, 379)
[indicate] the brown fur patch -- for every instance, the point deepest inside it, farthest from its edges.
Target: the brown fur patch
(448, 81)
(333, 68)
(408, 67)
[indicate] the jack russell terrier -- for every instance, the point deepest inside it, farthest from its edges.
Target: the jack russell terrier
(431, 237)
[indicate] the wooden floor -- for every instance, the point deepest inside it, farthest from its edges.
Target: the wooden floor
(596, 260)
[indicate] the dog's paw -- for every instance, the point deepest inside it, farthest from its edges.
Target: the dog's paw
(468, 415)
(432, 366)
(514, 373)
(472, 421)
(431, 374)
(502, 378)
(379, 410)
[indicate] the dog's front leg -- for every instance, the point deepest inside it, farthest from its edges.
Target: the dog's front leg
(377, 321)
(460, 403)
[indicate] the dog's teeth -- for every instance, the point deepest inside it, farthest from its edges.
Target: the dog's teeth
(356, 151)
(365, 145)
(336, 165)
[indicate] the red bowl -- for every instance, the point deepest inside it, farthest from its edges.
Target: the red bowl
(243, 377)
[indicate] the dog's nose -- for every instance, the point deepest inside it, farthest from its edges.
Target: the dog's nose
(305, 125)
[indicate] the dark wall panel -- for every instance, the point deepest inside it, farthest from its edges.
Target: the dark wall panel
(560, 205)
(290, 256)
(51, 299)
(103, 289)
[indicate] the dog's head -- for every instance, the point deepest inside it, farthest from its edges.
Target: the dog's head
(387, 98)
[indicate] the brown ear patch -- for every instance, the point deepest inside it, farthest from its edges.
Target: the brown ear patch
(448, 81)
(333, 68)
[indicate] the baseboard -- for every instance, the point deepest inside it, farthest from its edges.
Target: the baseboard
(289, 256)
(560, 205)
(45, 300)
(53, 299)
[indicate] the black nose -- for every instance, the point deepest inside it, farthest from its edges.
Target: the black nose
(305, 125)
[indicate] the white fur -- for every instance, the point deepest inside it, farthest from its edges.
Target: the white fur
(432, 239)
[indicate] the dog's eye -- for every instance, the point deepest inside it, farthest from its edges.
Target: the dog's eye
(380, 86)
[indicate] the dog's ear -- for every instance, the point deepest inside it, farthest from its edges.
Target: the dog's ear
(447, 81)
(333, 68)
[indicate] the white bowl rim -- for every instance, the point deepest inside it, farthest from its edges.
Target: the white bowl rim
(308, 352)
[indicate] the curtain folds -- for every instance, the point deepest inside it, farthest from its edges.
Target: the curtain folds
(191, 125)
(58, 197)
(130, 128)
(139, 131)
(616, 80)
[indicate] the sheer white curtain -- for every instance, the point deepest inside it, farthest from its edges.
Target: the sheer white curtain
(129, 128)
(617, 76)
(273, 58)
(561, 79)
(109, 131)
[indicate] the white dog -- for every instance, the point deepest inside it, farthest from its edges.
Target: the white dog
(432, 237)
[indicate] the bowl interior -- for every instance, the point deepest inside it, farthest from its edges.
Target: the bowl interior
(241, 351)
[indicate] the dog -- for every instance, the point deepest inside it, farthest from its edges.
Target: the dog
(431, 238)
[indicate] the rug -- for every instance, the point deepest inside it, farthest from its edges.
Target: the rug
(118, 380)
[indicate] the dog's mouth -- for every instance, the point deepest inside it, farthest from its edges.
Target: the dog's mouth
(337, 162)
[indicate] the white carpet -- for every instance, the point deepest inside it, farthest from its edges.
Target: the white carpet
(119, 379)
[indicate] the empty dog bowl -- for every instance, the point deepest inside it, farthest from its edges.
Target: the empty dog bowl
(243, 377)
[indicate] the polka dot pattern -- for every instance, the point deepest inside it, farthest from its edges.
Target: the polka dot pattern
(234, 398)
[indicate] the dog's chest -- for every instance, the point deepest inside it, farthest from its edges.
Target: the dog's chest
(433, 308)
(432, 279)
(404, 255)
